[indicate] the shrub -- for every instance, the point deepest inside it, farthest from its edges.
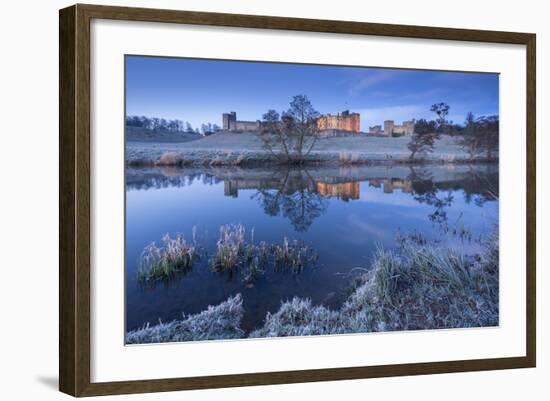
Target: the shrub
(170, 159)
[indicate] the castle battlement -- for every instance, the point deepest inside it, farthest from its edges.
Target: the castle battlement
(230, 123)
(407, 128)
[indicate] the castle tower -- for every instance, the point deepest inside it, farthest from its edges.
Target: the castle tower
(229, 121)
(388, 127)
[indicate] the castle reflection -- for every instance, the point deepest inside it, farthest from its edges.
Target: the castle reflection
(302, 195)
(344, 190)
(390, 185)
(350, 190)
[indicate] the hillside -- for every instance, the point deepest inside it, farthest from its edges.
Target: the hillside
(225, 148)
(139, 134)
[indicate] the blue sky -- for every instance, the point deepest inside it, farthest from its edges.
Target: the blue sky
(199, 91)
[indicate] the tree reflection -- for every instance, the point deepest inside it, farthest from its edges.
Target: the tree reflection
(295, 198)
(425, 191)
(477, 185)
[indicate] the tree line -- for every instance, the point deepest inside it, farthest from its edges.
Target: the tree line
(290, 136)
(479, 137)
(174, 126)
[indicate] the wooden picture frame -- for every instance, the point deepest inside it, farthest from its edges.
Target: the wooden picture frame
(75, 207)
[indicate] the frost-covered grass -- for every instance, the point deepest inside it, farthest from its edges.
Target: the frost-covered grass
(293, 255)
(218, 322)
(416, 287)
(233, 251)
(161, 263)
(230, 247)
(239, 149)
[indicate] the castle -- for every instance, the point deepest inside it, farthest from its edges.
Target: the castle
(230, 123)
(341, 124)
(345, 121)
(407, 128)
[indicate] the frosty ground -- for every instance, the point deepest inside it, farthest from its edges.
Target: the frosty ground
(247, 149)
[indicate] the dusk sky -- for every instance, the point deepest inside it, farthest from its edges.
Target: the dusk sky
(199, 91)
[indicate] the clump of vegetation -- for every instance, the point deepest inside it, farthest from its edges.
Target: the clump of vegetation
(424, 287)
(234, 252)
(230, 247)
(299, 317)
(162, 263)
(218, 322)
(346, 157)
(293, 255)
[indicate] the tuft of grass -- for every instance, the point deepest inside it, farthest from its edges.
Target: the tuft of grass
(162, 263)
(234, 252)
(230, 247)
(299, 317)
(218, 322)
(293, 255)
(347, 158)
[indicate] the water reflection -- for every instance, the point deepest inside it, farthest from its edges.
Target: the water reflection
(294, 196)
(300, 195)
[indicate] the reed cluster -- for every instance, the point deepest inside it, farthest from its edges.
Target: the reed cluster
(234, 252)
(162, 263)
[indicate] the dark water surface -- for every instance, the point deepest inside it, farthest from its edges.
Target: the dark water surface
(344, 213)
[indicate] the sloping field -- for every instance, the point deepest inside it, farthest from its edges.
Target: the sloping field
(242, 148)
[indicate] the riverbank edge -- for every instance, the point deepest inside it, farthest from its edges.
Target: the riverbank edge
(255, 159)
(415, 287)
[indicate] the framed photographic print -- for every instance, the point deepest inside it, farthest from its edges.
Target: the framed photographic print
(250, 200)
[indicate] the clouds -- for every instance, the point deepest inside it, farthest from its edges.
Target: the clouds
(371, 78)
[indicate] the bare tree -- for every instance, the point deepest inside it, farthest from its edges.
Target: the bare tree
(423, 139)
(442, 110)
(291, 136)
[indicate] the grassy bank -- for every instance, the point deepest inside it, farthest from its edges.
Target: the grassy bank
(217, 322)
(246, 149)
(414, 287)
